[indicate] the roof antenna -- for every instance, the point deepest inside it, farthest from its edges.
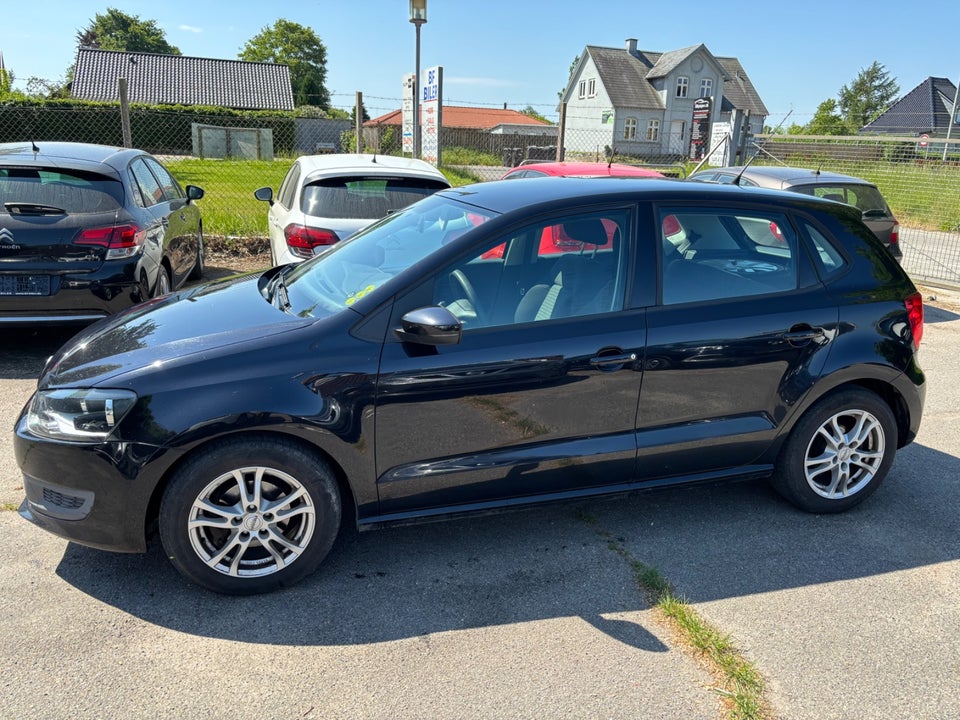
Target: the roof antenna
(736, 180)
(33, 146)
(817, 171)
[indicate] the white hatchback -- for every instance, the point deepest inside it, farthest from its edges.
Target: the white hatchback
(327, 198)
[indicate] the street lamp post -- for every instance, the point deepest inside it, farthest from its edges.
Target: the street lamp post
(418, 16)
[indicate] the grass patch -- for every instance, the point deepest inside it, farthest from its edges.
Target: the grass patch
(12, 507)
(469, 156)
(739, 683)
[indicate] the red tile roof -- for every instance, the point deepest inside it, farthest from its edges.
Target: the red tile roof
(467, 117)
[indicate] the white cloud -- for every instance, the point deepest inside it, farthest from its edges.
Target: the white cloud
(191, 28)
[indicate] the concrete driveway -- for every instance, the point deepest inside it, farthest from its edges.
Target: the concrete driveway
(528, 614)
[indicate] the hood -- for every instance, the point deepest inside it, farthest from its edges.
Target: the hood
(203, 319)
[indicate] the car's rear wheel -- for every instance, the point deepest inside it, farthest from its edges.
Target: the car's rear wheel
(838, 453)
(200, 263)
(162, 286)
(249, 516)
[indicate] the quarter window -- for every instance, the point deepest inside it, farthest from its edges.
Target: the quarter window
(706, 87)
(714, 255)
(630, 129)
(683, 85)
(653, 130)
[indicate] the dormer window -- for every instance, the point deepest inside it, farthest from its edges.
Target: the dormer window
(683, 85)
(706, 87)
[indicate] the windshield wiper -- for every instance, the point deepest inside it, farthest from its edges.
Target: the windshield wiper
(28, 208)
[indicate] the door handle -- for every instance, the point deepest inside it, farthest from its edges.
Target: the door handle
(805, 333)
(610, 361)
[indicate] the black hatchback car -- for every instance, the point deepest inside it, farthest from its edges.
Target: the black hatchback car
(86, 230)
(440, 362)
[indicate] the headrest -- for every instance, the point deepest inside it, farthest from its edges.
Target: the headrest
(589, 231)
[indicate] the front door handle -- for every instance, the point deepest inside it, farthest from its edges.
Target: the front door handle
(608, 362)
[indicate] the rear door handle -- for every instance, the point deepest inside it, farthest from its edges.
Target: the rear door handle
(805, 333)
(607, 361)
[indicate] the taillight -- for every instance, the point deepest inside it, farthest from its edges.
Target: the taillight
(776, 232)
(895, 233)
(914, 305)
(121, 241)
(302, 239)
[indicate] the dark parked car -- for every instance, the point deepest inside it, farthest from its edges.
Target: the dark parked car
(87, 230)
(406, 373)
(864, 196)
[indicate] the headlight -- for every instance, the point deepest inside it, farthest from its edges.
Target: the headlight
(84, 415)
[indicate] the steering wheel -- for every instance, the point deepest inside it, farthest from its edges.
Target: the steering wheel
(459, 278)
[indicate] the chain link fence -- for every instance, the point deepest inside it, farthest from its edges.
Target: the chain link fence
(230, 154)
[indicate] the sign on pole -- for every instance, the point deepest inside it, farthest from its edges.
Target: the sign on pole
(406, 111)
(700, 132)
(431, 113)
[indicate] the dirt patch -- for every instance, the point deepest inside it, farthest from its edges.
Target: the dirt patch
(225, 264)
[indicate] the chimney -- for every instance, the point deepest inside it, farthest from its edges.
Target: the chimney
(632, 46)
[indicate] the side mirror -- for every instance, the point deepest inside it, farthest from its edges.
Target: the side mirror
(265, 194)
(432, 325)
(194, 193)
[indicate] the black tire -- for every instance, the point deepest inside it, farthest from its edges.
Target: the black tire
(199, 264)
(240, 545)
(162, 285)
(838, 453)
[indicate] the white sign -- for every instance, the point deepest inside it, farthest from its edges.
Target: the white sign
(719, 153)
(431, 113)
(409, 87)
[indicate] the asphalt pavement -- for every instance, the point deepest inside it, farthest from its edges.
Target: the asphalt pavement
(523, 615)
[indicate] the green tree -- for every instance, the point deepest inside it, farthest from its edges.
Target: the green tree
(115, 30)
(6, 80)
(529, 110)
(299, 48)
(573, 66)
(827, 121)
(870, 93)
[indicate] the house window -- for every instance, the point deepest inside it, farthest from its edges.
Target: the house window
(706, 87)
(683, 83)
(653, 130)
(592, 87)
(582, 93)
(630, 129)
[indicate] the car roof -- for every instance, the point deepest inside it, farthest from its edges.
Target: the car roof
(319, 166)
(788, 176)
(77, 156)
(503, 196)
(588, 169)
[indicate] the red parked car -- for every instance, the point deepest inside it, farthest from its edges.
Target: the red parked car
(554, 240)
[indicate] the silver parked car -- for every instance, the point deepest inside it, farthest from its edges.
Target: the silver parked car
(829, 185)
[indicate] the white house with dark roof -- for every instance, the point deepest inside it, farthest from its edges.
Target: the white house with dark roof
(925, 110)
(156, 79)
(641, 103)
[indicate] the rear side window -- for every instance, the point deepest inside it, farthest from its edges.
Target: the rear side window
(72, 191)
(171, 188)
(828, 258)
(866, 198)
(719, 254)
(150, 191)
(366, 198)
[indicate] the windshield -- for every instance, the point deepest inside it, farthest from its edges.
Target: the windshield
(351, 269)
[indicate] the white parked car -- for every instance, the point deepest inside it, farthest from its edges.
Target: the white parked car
(327, 198)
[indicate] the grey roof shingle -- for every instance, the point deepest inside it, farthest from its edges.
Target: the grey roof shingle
(925, 109)
(179, 80)
(627, 77)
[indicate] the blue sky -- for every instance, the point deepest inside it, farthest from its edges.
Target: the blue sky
(518, 52)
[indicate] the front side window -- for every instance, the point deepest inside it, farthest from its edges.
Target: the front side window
(567, 267)
(719, 254)
(706, 87)
(630, 128)
(683, 85)
(653, 130)
(171, 188)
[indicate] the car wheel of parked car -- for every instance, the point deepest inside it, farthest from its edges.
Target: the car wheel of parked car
(162, 286)
(838, 453)
(198, 265)
(249, 516)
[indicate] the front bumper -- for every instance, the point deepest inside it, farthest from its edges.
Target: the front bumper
(97, 495)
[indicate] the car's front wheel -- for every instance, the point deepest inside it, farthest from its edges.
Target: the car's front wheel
(838, 453)
(249, 516)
